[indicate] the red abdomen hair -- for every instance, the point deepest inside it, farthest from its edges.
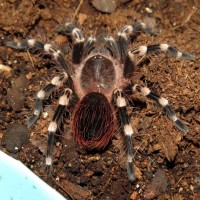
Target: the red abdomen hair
(93, 121)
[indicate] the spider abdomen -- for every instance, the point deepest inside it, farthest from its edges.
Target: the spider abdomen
(93, 121)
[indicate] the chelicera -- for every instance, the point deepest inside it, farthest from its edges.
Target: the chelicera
(102, 68)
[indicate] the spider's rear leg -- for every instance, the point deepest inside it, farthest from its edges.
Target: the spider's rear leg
(157, 48)
(37, 45)
(56, 82)
(164, 103)
(120, 102)
(64, 101)
(76, 34)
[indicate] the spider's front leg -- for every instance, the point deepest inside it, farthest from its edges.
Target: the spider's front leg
(64, 102)
(130, 31)
(37, 45)
(127, 32)
(71, 30)
(162, 102)
(120, 102)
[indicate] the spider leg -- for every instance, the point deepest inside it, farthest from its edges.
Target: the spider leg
(157, 48)
(44, 93)
(120, 102)
(78, 39)
(164, 103)
(40, 46)
(53, 126)
(123, 38)
(129, 66)
(129, 31)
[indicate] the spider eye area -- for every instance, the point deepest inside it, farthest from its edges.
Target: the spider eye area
(93, 121)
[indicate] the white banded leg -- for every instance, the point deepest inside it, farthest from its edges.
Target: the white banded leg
(156, 48)
(130, 30)
(78, 39)
(134, 29)
(120, 102)
(64, 101)
(164, 103)
(126, 57)
(129, 66)
(40, 46)
(44, 93)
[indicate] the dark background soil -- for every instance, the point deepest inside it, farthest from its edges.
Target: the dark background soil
(167, 161)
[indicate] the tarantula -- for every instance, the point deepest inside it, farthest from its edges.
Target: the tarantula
(102, 68)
